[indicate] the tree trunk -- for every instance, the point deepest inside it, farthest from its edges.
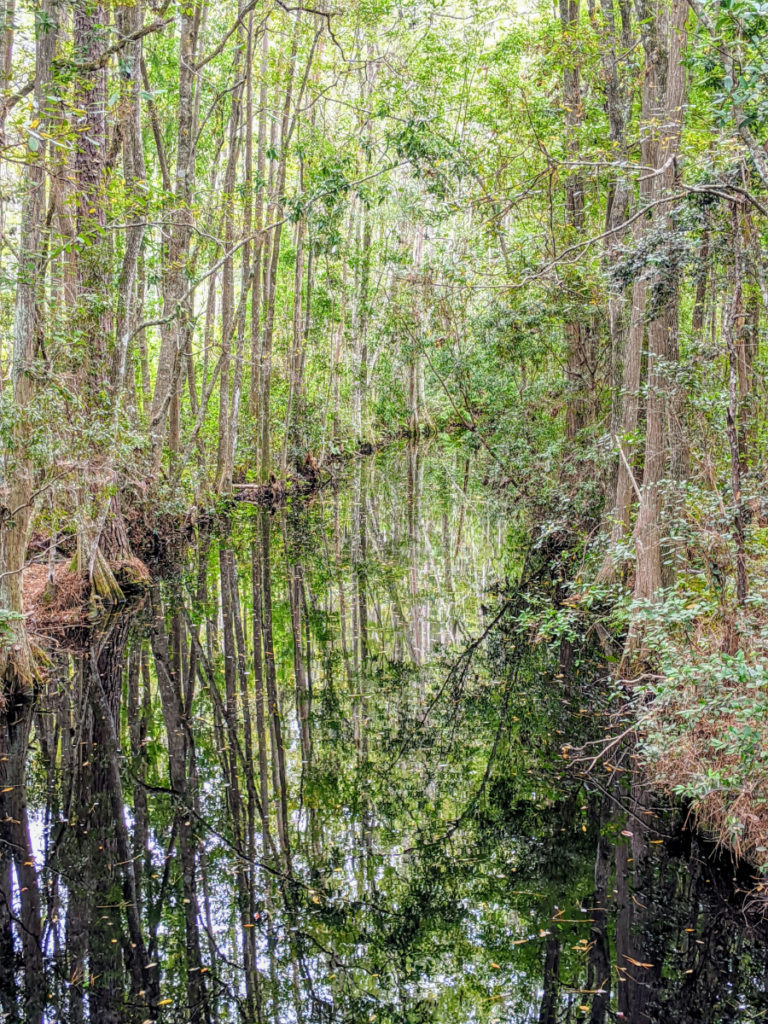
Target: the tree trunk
(578, 333)
(16, 668)
(176, 304)
(664, 38)
(223, 462)
(255, 382)
(733, 413)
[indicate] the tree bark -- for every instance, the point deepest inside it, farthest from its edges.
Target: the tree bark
(579, 333)
(733, 414)
(664, 38)
(176, 302)
(16, 668)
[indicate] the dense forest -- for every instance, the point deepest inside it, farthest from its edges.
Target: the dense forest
(258, 260)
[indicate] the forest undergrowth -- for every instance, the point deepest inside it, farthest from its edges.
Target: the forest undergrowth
(689, 669)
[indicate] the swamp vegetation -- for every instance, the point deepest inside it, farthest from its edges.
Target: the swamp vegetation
(383, 517)
(293, 782)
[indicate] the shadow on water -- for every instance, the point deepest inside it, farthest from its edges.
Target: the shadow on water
(313, 778)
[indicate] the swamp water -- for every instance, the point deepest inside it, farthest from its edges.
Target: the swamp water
(365, 816)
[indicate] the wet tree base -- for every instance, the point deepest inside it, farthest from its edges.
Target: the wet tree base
(60, 598)
(159, 538)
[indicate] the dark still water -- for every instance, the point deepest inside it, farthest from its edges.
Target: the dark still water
(316, 776)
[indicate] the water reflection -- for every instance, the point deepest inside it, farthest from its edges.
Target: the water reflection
(291, 785)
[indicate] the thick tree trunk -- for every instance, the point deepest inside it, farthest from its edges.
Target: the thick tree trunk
(16, 669)
(99, 516)
(664, 40)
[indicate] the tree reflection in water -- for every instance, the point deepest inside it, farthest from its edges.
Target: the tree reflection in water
(289, 786)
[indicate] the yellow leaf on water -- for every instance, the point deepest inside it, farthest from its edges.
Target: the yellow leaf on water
(165, 1002)
(636, 963)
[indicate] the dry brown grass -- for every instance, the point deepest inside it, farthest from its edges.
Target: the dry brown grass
(704, 732)
(56, 605)
(66, 602)
(734, 813)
